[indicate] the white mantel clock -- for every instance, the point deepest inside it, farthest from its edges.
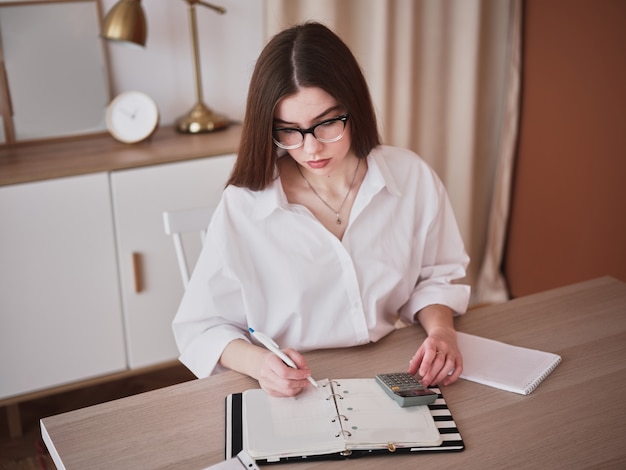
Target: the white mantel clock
(132, 117)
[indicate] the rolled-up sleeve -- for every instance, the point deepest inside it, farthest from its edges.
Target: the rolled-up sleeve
(443, 260)
(211, 313)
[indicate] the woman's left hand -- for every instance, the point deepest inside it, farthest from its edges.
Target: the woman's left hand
(438, 360)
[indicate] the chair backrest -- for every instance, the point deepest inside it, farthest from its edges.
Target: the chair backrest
(184, 221)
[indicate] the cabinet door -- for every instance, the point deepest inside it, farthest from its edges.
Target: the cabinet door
(60, 309)
(151, 283)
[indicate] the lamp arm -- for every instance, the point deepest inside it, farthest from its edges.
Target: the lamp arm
(215, 8)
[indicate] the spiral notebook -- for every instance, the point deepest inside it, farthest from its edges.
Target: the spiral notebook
(340, 419)
(504, 366)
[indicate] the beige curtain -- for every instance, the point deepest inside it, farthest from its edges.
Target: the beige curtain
(440, 76)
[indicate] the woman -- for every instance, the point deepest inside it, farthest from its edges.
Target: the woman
(323, 238)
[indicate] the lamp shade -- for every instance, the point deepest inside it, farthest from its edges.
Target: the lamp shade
(126, 22)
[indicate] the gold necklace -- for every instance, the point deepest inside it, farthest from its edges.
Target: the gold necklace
(322, 199)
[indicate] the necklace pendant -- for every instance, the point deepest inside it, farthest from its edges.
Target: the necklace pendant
(345, 198)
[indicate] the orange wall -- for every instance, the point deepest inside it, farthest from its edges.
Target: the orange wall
(568, 214)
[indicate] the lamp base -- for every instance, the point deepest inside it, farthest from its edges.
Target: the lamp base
(201, 119)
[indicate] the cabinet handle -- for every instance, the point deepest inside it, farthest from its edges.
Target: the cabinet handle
(137, 272)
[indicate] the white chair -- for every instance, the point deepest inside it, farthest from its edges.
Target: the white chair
(180, 222)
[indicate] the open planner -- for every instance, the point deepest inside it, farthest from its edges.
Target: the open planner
(340, 419)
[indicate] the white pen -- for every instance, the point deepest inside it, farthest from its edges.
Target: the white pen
(270, 344)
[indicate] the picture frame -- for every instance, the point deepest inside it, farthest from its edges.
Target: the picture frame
(54, 73)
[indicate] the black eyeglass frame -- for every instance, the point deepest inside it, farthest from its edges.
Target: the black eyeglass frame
(311, 130)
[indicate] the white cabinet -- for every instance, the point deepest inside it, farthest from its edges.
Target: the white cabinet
(71, 250)
(60, 312)
(146, 253)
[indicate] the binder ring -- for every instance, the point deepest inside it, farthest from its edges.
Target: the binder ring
(345, 418)
(329, 397)
(343, 431)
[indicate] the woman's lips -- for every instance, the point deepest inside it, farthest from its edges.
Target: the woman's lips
(317, 164)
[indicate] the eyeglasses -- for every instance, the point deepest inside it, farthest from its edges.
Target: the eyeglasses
(330, 130)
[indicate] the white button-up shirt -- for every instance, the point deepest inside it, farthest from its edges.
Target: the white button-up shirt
(272, 266)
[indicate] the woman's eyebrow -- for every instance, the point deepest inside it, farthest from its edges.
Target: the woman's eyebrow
(327, 112)
(319, 117)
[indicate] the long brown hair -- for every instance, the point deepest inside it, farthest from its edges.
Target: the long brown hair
(306, 55)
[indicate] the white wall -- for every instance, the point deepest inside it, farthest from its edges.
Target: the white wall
(229, 45)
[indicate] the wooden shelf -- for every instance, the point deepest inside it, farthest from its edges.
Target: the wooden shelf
(42, 161)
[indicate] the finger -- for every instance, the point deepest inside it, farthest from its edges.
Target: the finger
(278, 379)
(416, 361)
(456, 373)
(277, 391)
(444, 373)
(431, 356)
(291, 377)
(278, 387)
(430, 372)
(289, 380)
(298, 359)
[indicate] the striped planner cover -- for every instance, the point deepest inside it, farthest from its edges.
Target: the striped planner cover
(451, 437)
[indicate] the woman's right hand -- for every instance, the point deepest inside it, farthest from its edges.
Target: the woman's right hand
(280, 380)
(274, 376)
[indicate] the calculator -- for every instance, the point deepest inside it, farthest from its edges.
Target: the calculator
(405, 389)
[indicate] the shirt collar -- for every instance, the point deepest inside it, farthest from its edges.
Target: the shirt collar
(378, 176)
(270, 199)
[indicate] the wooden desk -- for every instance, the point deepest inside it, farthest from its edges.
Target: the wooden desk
(575, 419)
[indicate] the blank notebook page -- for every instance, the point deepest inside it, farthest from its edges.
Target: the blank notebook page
(376, 419)
(504, 366)
(288, 426)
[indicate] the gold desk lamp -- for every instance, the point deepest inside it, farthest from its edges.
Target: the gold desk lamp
(126, 22)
